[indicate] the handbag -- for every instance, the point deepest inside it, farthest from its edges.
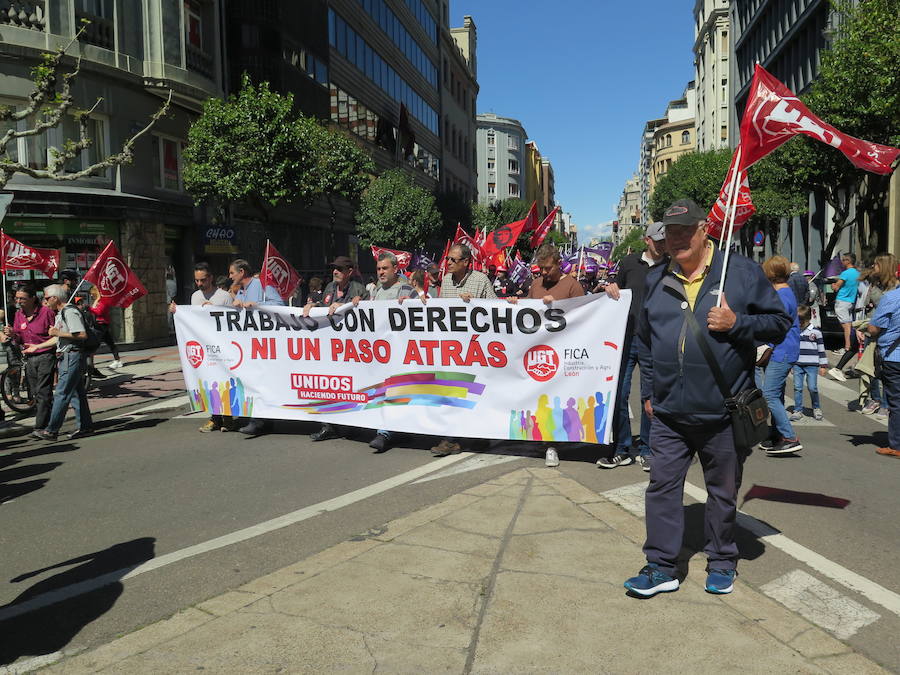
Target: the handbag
(748, 408)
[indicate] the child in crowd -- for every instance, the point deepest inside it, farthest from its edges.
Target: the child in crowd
(811, 363)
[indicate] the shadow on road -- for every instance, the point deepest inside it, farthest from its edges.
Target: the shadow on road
(877, 439)
(44, 618)
(9, 489)
(749, 545)
(773, 494)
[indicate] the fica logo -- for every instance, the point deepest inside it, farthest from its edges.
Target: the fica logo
(541, 362)
(193, 350)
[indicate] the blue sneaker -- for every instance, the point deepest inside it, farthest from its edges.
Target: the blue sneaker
(651, 581)
(720, 582)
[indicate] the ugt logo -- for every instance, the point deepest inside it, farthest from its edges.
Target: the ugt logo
(278, 270)
(194, 352)
(541, 362)
(113, 277)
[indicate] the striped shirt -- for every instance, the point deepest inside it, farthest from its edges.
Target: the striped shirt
(812, 348)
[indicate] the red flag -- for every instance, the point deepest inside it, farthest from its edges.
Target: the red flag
(278, 273)
(533, 225)
(773, 115)
(117, 283)
(465, 239)
(540, 233)
(507, 235)
(403, 257)
(743, 204)
(443, 263)
(14, 255)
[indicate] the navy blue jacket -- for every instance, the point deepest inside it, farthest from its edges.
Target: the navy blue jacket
(680, 385)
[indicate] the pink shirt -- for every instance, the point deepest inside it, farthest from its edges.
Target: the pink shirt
(33, 330)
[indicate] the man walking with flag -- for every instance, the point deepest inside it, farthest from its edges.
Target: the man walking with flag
(684, 335)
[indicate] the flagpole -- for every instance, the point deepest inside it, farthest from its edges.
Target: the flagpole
(71, 297)
(730, 218)
(3, 254)
(732, 197)
(265, 267)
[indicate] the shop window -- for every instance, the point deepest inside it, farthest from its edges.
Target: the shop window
(167, 163)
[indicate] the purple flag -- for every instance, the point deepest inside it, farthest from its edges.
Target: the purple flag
(833, 268)
(519, 272)
(603, 249)
(421, 261)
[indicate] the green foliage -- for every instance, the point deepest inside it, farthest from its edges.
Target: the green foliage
(395, 213)
(634, 240)
(858, 91)
(555, 237)
(696, 175)
(254, 148)
(491, 216)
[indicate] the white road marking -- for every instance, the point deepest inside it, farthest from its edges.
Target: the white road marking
(630, 498)
(855, 582)
(841, 393)
(29, 665)
(820, 603)
(473, 464)
(47, 599)
(173, 402)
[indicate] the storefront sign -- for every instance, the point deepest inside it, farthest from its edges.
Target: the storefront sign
(220, 239)
(485, 369)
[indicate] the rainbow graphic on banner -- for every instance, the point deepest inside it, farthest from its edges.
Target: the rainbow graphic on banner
(222, 398)
(577, 420)
(434, 389)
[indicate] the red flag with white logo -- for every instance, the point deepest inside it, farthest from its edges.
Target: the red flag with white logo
(403, 257)
(542, 230)
(774, 114)
(278, 273)
(743, 203)
(14, 255)
(465, 239)
(116, 281)
(506, 235)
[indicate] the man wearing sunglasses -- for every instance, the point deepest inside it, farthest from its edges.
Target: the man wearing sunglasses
(464, 283)
(342, 288)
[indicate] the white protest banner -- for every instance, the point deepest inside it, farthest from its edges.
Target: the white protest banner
(483, 369)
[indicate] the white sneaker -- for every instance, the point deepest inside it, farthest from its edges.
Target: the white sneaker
(644, 462)
(551, 458)
(114, 365)
(839, 352)
(817, 414)
(837, 375)
(796, 416)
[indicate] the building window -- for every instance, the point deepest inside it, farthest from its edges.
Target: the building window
(491, 139)
(514, 166)
(513, 143)
(95, 152)
(668, 140)
(193, 24)
(491, 165)
(724, 133)
(167, 163)
(685, 137)
(492, 189)
(513, 189)
(725, 41)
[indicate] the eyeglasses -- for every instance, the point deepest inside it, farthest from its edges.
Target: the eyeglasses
(450, 258)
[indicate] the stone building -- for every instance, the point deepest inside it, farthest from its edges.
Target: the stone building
(501, 152)
(712, 73)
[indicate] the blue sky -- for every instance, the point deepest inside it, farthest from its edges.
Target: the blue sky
(583, 76)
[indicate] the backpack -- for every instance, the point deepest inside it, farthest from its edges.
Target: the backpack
(93, 336)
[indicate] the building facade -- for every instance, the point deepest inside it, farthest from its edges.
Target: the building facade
(501, 152)
(629, 208)
(459, 97)
(645, 165)
(712, 73)
(676, 136)
(132, 54)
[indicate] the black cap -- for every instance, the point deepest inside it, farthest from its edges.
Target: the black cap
(70, 275)
(683, 212)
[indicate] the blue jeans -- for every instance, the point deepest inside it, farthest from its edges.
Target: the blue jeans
(773, 390)
(70, 389)
(623, 424)
(890, 379)
(877, 392)
(811, 373)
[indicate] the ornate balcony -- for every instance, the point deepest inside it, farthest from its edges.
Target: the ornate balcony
(31, 15)
(99, 31)
(199, 61)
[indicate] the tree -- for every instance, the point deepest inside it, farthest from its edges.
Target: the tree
(633, 242)
(49, 102)
(858, 91)
(695, 175)
(395, 213)
(255, 149)
(776, 194)
(491, 216)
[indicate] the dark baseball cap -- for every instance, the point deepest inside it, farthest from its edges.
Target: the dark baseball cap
(342, 261)
(683, 212)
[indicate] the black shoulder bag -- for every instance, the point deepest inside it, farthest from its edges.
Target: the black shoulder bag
(748, 409)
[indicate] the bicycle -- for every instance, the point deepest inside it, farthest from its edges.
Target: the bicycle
(14, 389)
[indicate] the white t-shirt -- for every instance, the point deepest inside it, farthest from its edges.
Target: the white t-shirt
(217, 297)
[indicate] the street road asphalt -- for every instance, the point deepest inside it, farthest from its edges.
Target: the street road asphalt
(148, 484)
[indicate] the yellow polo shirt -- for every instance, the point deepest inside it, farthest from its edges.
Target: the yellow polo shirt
(692, 288)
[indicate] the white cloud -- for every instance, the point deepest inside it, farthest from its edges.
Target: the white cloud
(602, 231)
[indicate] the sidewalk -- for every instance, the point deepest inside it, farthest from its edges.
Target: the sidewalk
(147, 375)
(519, 574)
